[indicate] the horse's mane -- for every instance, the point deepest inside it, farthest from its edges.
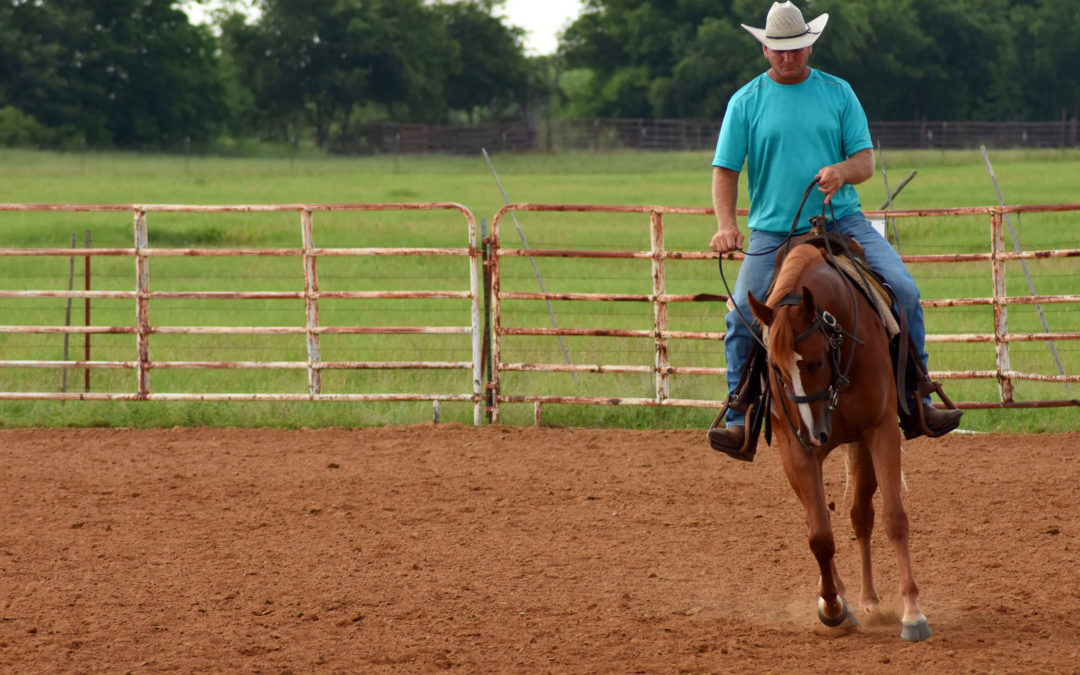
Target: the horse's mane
(788, 280)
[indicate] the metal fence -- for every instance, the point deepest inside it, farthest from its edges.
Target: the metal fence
(487, 394)
(660, 299)
(142, 296)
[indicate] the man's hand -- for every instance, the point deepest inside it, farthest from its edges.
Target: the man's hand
(829, 181)
(854, 170)
(726, 239)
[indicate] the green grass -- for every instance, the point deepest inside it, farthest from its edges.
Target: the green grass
(944, 179)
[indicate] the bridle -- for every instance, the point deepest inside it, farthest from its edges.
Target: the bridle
(825, 323)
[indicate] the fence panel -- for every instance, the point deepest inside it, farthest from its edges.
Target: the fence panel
(662, 336)
(144, 298)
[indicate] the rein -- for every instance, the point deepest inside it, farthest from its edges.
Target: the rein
(774, 249)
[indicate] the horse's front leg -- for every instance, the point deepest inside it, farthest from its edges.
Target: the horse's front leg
(886, 449)
(804, 474)
(864, 484)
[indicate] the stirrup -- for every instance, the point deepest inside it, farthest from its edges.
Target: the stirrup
(918, 426)
(915, 425)
(746, 452)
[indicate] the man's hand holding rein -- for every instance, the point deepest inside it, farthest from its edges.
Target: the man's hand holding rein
(853, 170)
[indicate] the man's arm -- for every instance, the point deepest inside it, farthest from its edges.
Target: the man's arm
(853, 170)
(725, 190)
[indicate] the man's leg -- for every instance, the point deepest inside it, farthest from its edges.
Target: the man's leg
(755, 275)
(886, 261)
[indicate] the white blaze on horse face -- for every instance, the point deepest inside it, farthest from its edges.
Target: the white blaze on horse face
(797, 385)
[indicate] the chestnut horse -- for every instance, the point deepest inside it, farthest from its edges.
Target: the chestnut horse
(831, 383)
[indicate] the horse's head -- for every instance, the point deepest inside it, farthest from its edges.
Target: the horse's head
(803, 344)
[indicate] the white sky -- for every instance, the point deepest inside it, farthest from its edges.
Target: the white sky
(541, 19)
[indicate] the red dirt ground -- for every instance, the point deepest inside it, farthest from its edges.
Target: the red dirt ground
(503, 549)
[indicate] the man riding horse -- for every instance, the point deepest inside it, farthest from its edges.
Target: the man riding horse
(790, 125)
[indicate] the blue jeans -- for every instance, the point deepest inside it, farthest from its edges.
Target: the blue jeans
(756, 274)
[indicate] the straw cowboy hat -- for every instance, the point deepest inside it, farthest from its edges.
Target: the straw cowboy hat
(785, 29)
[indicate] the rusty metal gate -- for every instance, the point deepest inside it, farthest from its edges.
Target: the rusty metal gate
(310, 327)
(661, 335)
(489, 396)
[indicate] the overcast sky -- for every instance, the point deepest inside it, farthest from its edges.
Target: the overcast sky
(541, 19)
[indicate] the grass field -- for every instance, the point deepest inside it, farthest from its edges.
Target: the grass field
(944, 179)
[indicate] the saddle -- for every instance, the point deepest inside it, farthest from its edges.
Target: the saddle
(751, 395)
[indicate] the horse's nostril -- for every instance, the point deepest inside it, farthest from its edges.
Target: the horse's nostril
(822, 437)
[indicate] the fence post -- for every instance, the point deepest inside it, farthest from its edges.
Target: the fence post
(479, 336)
(86, 312)
(660, 308)
(67, 315)
(486, 351)
(1023, 264)
(311, 305)
(495, 374)
(1001, 326)
(142, 303)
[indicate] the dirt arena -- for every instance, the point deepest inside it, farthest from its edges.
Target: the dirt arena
(511, 550)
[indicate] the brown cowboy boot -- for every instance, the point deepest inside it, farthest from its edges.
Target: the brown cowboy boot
(750, 399)
(940, 422)
(732, 441)
(922, 418)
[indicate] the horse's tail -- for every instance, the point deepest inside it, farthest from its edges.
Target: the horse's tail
(847, 472)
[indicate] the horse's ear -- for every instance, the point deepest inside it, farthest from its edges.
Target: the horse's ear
(763, 312)
(808, 305)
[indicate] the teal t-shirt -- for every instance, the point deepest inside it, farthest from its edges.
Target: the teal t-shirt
(786, 133)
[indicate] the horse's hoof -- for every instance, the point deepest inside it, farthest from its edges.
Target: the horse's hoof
(914, 631)
(845, 615)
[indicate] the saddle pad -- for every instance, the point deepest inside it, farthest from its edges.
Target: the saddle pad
(877, 293)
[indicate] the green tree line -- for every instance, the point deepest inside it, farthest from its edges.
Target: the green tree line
(138, 73)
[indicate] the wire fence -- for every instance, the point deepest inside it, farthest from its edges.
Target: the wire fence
(606, 134)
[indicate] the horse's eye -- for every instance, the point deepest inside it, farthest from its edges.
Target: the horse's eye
(814, 366)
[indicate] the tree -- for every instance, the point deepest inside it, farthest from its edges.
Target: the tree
(1048, 40)
(491, 76)
(661, 58)
(718, 59)
(906, 59)
(923, 58)
(124, 71)
(318, 61)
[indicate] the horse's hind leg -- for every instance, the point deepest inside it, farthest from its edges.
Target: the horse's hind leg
(864, 484)
(886, 445)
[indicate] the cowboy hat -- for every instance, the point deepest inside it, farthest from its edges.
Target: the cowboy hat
(785, 29)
